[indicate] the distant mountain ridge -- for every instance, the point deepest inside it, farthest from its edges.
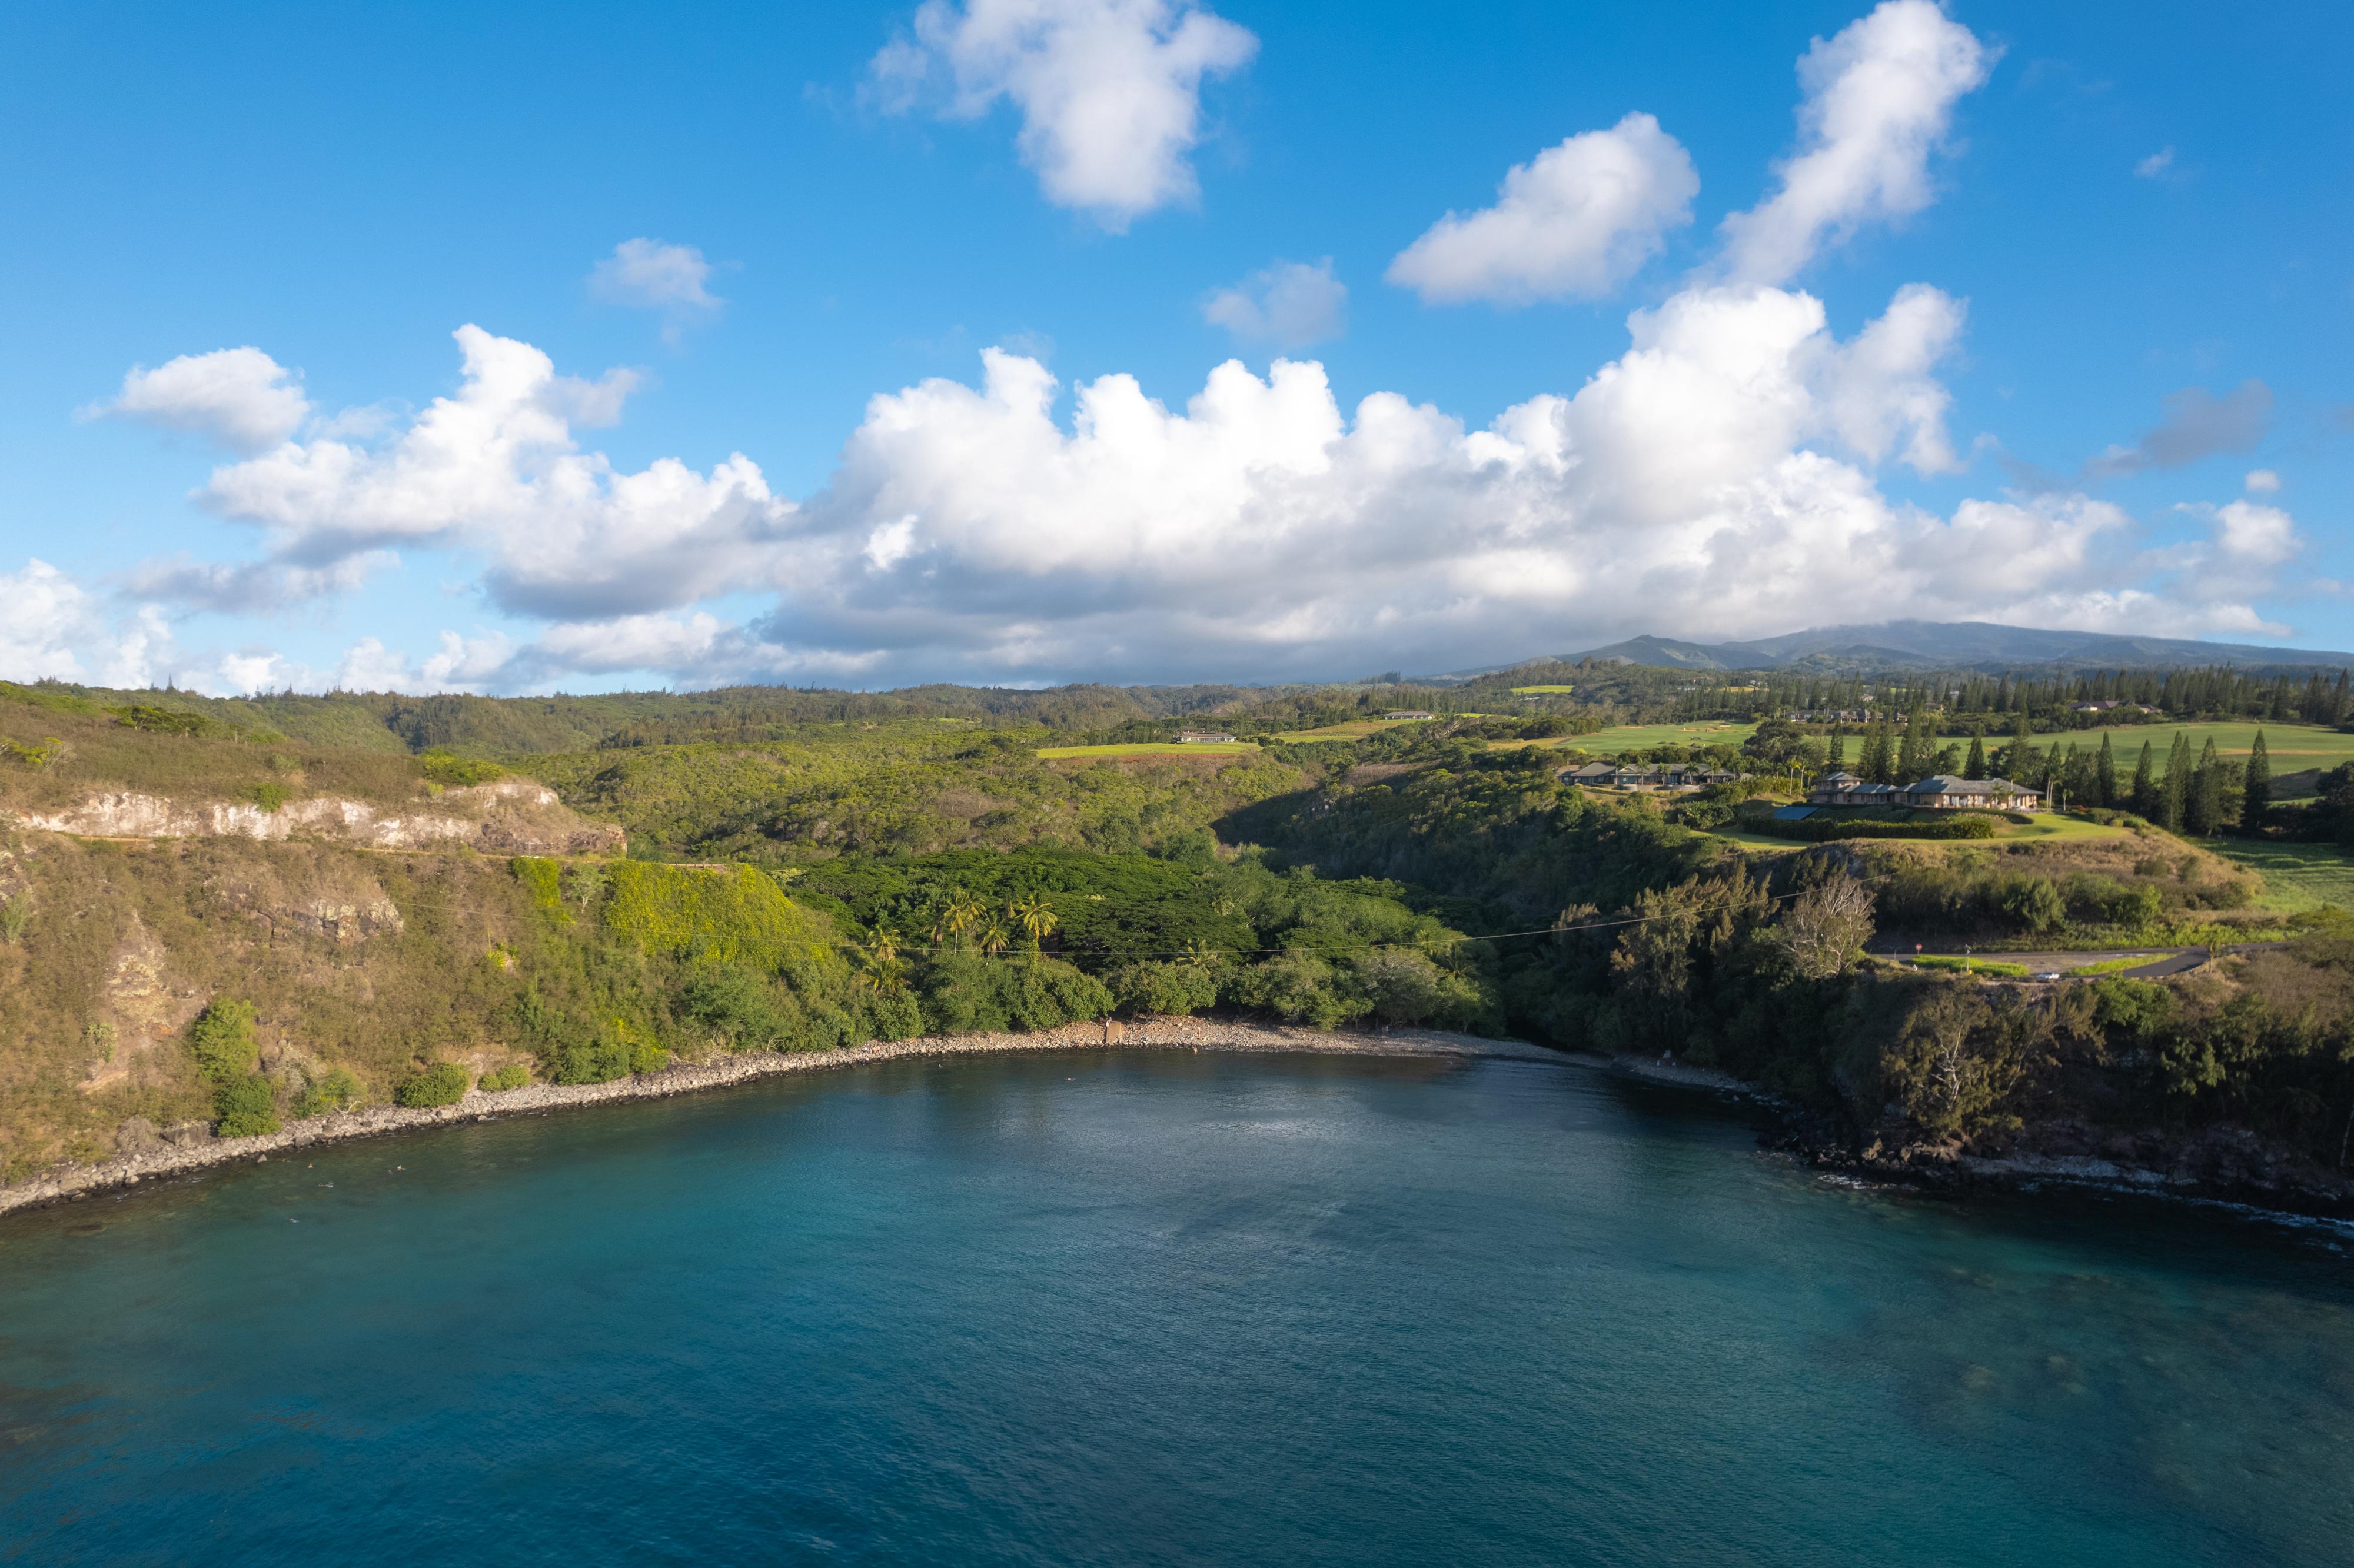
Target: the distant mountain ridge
(1954, 645)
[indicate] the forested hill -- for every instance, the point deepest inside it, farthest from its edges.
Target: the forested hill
(1914, 645)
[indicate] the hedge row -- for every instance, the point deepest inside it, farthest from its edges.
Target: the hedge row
(1821, 829)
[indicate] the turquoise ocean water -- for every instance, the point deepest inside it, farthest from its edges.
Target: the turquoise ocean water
(1158, 1309)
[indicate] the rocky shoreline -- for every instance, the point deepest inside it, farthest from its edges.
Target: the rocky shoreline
(1156, 1033)
(2220, 1165)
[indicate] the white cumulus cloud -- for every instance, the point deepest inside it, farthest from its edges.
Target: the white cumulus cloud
(648, 274)
(1716, 474)
(239, 397)
(1879, 101)
(496, 468)
(1290, 304)
(1109, 91)
(1575, 221)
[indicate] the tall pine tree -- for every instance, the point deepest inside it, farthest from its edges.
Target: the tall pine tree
(2257, 792)
(2145, 800)
(1913, 754)
(2203, 806)
(1976, 766)
(2176, 800)
(2105, 773)
(1876, 764)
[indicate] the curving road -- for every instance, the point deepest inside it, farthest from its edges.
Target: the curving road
(2162, 961)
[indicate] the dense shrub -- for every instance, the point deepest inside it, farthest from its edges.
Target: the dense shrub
(1823, 829)
(744, 1012)
(442, 1083)
(247, 1106)
(542, 878)
(513, 1076)
(2032, 903)
(338, 1090)
(449, 769)
(964, 992)
(223, 1041)
(1159, 986)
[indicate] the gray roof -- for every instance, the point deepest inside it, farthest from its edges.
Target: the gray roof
(1793, 813)
(1952, 784)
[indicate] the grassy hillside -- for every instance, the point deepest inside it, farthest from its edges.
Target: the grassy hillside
(56, 746)
(909, 787)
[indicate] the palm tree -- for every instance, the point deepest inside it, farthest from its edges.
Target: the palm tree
(1200, 955)
(992, 938)
(883, 947)
(879, 974)
(960, 917)
(1036, 916)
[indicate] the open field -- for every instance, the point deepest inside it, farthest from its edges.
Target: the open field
(2292, 746)
(1150, 748)
(2050, 825)
(2298, 877)
(1533, 690)
(1642, 737)
(1355, 729)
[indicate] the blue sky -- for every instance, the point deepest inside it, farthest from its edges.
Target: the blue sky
(2012, 302)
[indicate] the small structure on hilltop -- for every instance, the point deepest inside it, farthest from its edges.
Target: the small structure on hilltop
(1846, 789)
(1204, 737)
(1410, 713)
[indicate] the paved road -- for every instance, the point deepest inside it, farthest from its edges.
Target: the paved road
(2162, 960)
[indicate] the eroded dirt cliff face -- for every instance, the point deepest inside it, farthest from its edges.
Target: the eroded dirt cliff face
(507, 816)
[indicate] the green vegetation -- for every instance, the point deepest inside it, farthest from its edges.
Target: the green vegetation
(2298, 877)
(1824, 827)
(879, 867)
(1618, 739)
(2291, 747)
(1991, 969)
(336, 1090)
(442, 1083)
(1151, 748)
(223, 1043)
(447, 768)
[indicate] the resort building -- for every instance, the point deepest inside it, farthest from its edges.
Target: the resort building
(1945, 792)
(1409, 713)
(1673, 776)
(1939, 792)
(1846, 789)
(1204, 737)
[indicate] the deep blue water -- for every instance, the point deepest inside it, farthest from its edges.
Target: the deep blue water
(1166, 1309)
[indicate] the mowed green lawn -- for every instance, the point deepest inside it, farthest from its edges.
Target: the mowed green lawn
(2297, 877)
(1355, 729)
(1151, 748)
(2292, 746)
(1532, 690)
(1643, 736)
